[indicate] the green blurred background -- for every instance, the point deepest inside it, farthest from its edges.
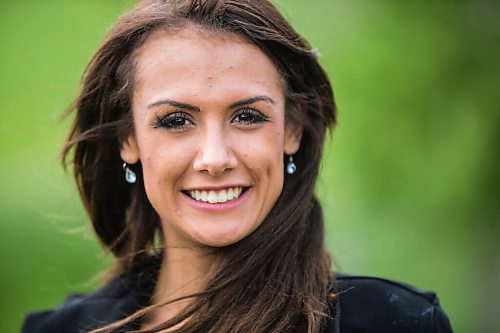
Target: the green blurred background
(410, 182)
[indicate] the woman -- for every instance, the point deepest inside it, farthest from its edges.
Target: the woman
(197, 142)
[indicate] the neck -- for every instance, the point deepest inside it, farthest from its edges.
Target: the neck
(183, 272)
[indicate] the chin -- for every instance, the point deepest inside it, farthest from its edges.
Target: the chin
(221, 238)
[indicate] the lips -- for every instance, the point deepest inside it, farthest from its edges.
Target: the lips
(216, 196)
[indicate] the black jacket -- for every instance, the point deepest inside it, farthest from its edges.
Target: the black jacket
(364, 305)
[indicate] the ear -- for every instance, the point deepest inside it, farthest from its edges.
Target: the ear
(129, 150)
(293, 135)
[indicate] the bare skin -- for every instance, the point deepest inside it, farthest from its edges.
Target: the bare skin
(210, 133)
(180, 279)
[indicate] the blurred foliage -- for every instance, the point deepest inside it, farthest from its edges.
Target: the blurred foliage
(410, 182)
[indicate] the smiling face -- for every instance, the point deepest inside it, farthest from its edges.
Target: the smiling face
(209, 130)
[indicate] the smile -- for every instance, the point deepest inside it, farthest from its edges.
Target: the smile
(216, 196)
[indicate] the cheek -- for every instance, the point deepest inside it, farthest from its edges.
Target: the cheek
(266, 150)
(263, 156)
(163, 164)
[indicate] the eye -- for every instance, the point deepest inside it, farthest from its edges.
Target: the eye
(248, 117)
(175, 121)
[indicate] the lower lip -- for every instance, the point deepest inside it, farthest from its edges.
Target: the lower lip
(218, 207)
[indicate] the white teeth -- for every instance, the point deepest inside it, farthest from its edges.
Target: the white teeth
(212, 197)
(222, 197)
(218, 196)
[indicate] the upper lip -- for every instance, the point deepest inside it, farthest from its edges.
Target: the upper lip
(214, 187)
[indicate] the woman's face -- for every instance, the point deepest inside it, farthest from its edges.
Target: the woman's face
(210, 132)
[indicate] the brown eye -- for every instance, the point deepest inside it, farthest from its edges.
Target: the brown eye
(175, 121)
(249, 117)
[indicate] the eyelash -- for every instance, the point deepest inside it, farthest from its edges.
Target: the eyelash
(175, 121)
(178, 121)
(256, 117)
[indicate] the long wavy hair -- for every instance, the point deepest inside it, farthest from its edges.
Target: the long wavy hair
(278, 278)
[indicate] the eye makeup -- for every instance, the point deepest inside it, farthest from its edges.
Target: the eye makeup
(248, 117)
(174, 121)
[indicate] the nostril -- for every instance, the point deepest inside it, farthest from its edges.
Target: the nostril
(215, 154)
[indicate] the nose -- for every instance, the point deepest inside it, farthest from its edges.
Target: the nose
(215, 155)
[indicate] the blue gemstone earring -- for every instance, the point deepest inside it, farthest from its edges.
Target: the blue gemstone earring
(290, 166)
(130, 176)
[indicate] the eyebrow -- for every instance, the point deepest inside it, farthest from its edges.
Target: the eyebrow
(175, 104)
(247, 101)
(251, 100)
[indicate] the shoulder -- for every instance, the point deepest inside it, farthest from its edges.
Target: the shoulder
(369, 304)
(81, 313)
(116, 300)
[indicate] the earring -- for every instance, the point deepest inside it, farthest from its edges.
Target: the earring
(290, 166)
(130, 176)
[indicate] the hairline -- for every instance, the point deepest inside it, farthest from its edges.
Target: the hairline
(181, 23)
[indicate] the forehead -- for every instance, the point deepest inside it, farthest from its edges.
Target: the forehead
(194, 52)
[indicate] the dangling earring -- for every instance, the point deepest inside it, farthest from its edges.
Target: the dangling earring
(130, 176)
(290, 166)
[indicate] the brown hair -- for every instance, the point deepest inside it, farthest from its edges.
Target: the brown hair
(278, 278)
